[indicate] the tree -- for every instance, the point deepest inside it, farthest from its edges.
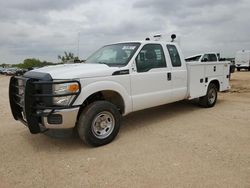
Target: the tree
(32, 62)
(3, 65)
(67, 57)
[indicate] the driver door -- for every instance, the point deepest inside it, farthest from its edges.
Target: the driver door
(151, 83)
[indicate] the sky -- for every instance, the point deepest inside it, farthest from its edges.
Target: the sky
(44, 29)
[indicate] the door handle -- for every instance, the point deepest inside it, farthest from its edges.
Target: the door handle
(169, 76)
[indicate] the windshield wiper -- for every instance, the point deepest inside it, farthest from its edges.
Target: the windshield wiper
(111, 64)
(102, 62)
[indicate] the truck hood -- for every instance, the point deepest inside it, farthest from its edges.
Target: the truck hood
(77, 70)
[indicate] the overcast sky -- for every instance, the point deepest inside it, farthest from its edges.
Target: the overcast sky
(45, 28)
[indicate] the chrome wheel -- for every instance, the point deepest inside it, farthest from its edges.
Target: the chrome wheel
(103, 124)
(212, 96)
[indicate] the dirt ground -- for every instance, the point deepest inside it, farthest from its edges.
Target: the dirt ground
(175, 145)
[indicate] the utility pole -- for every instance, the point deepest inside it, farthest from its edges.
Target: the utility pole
(78, 42)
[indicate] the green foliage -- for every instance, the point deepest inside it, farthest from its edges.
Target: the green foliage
(3, 65)
(30, 63)
(67, 57)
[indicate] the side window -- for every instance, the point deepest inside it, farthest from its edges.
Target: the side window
(209, 58)
(151, 56)
(174, 55)
(212, 57)
(205, 58)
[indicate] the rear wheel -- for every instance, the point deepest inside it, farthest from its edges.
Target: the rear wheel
(99, 123)
(210, 98)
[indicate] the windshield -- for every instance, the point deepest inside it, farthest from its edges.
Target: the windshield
(115, 54)
(195, 58)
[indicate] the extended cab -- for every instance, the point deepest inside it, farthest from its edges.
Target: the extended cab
(116, 80)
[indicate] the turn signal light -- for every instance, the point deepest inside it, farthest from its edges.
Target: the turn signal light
(73, 88)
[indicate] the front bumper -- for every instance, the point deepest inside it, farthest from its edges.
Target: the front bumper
(68, 119)
(242, 66)
(31, 103)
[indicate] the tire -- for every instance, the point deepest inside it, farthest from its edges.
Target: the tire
(210, 98)
(238, 69)
(99, 123)
(232, 69)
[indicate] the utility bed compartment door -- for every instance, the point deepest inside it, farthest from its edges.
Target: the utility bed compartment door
(196, 80)
(214, 69)
(200, 75)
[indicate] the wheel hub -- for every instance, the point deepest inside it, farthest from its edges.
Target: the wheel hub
(212, 96)
(103, 125)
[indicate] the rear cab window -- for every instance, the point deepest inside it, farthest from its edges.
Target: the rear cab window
(174, 55)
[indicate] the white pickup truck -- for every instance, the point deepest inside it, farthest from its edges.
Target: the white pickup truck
(116, 80)
(206, 57)
(210, 57)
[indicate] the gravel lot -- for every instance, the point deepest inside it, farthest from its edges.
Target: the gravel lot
(175, 145)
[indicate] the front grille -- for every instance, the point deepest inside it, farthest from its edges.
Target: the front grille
(17, 90)
(20, 95)
(31, 99)
(22, 102)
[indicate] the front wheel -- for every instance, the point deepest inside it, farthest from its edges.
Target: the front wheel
(99, 123)
(210, 98)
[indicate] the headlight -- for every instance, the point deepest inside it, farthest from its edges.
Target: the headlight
(67, 89)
